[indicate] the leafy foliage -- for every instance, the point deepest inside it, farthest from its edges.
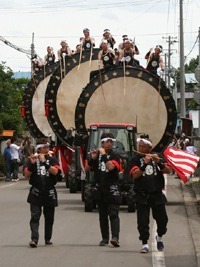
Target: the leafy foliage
(192, 65)
(189, 68)
(192, 105)
(11, 91)
(2, 165)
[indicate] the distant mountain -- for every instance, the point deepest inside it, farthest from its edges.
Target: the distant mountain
(23, 74)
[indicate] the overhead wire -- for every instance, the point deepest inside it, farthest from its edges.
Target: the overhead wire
(72, 6)
(192, 48)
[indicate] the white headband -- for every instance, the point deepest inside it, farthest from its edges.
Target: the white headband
(147, 142)
(104, 41)
(42, 145)
(108, 138)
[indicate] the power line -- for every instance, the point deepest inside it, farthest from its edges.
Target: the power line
(72, 6)
(192, 48)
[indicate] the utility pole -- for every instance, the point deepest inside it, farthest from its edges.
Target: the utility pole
(166, 73)
(182, 63)
(197, 70)
(197, 76)
(171, 40)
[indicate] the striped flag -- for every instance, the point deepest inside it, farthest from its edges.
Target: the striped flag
(183, 163)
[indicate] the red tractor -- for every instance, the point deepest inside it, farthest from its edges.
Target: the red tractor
(125, 144)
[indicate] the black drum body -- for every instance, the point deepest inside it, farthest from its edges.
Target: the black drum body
(34, 102)
(64, 89)
(130, 96)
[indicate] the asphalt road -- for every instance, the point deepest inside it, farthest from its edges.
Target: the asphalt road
(76, 233)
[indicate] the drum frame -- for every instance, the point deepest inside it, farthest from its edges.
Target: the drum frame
(52, 89)
(156, 82)
(28, 98)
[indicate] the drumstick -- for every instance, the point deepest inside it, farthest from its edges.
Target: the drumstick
(101, 82)
(35, 86)
(150, 53)
(159, 94)
(45, 85)
(124, 77)
(61, 68)
(64, 55)
(36, 155)
(61, 74)
(153, 156)
(93, 151)
(90, 62)
(80, 57)
(44, 71)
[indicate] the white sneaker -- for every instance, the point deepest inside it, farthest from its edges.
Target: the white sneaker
(144, 249)
(33, 244)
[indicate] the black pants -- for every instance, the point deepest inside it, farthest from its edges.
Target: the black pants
(160, 216)
(36, 212)
(112, 211)
(14, 168)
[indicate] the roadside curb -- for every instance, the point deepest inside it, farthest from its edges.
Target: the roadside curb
(191, 196)
(20, 175)
(195, 183)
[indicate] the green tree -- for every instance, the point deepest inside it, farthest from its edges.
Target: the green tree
(192, 65)
(11, 91)
(189, 68)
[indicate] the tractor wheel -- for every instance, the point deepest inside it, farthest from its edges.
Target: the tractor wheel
(83, 190)
(67, 181)
(88, 198)
(72, 184)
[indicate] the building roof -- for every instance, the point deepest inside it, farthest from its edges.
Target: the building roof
(22, 74)
(190, 78)
(7, 133)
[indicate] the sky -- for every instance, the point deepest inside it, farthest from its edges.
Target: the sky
(45, 23)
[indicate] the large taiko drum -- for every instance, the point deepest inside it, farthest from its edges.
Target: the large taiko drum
(130, 96)
(34, 103)
(64, 88)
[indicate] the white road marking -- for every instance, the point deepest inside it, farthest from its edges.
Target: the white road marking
(4, 186)
(158, 257)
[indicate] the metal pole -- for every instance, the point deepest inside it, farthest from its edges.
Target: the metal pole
(165, 71)
(198, 67)
(197, 70)
(169, 62)
(199, 49)
(182, 67)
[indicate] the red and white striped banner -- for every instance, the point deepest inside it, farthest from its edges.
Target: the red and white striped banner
(183, 163)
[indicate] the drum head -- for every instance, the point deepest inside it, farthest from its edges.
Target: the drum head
(64, 89)
(137, 97)
(34, 102)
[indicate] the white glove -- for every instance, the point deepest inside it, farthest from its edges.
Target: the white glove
(161, 72)
(123, 59)
(92, 41)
